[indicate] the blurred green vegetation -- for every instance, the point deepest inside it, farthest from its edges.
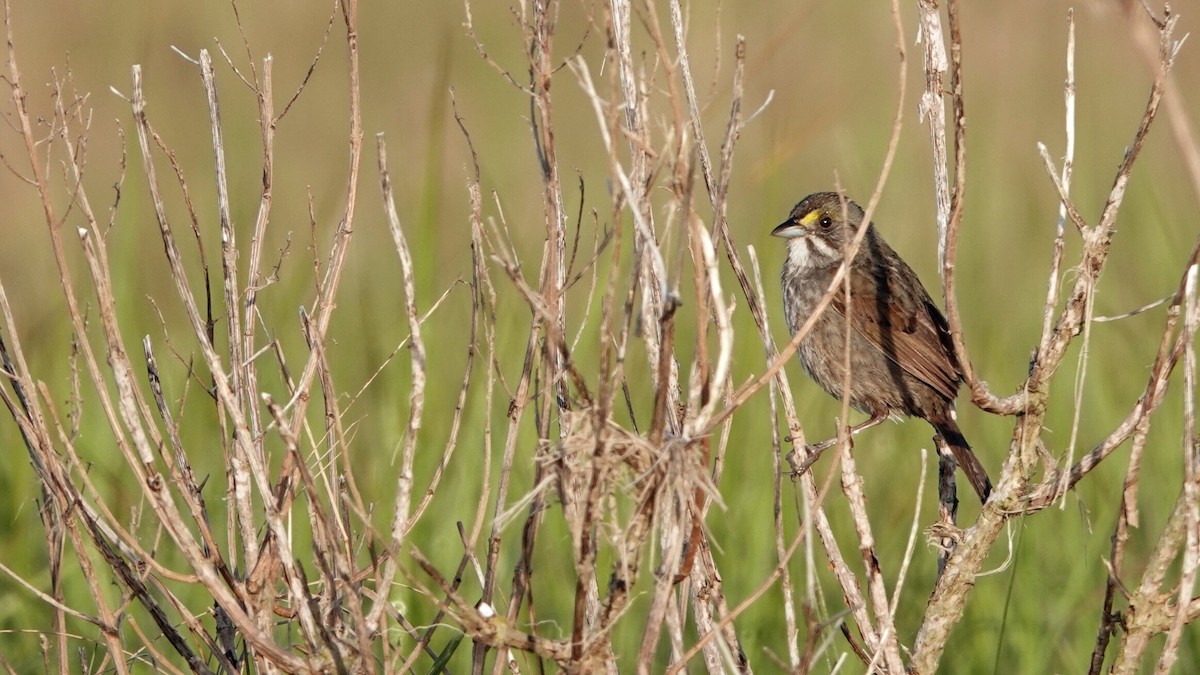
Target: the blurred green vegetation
(832, 68)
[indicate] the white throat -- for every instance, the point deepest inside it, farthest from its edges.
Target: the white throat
(809, 251)
(798, 253)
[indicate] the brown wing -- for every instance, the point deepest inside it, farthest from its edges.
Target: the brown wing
(892, 310)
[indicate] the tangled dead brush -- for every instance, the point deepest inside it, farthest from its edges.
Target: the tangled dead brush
(277, 562)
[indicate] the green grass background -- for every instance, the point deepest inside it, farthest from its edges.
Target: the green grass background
(832, 68)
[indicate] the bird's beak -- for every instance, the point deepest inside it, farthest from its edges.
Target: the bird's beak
(789, 230)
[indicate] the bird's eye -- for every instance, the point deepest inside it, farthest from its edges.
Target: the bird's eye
(826, 222)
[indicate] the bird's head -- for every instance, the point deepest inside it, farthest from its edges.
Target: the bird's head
(818, 228)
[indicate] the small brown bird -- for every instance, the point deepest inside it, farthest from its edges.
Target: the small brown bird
(901, 359)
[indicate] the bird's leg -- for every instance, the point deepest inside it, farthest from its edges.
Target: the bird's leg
(813, 450)
(876, 418)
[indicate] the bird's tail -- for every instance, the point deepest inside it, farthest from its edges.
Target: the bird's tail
(948, 429)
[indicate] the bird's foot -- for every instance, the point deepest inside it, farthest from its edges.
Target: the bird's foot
(801, 460)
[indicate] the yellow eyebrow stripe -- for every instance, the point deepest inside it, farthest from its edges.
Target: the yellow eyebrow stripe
(810, 217)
